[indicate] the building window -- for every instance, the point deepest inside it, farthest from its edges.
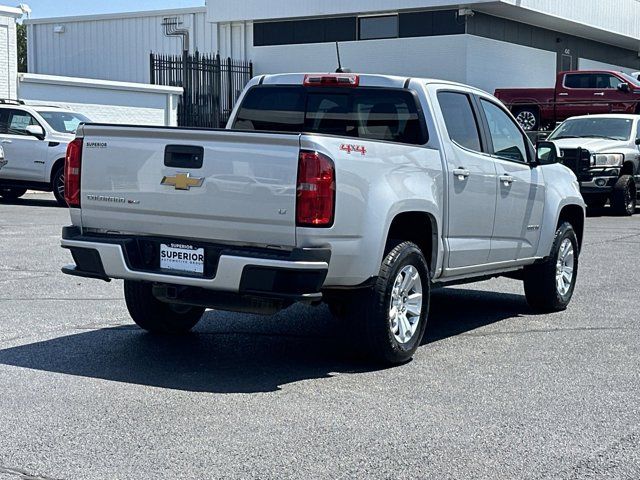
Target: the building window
(372, 28)
(431, 23)
(341, 29)
(347, 29)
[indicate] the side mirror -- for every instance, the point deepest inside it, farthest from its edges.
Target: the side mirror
(35, 131)
(547, 153)
(624, 87)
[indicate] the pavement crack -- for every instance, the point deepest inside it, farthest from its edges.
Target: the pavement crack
(541, 330)
(616, 239)
(613, 461)
(23, 475)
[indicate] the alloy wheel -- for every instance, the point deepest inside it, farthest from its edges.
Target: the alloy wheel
(527, 120)
(406, 304)
(565, 267)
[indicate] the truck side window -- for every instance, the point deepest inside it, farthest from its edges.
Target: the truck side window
(580, 80)
(461, 122)
(18, 122)
(605, 81)
(4, 126)
(508, 140)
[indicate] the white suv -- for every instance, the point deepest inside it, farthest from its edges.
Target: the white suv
(35, 139)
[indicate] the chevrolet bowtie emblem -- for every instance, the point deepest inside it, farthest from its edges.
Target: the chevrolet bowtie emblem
(182, 181)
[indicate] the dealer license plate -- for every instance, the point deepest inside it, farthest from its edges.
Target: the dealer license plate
(182, 258)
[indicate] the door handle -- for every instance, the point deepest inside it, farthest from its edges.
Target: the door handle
(563, 94)
(6, 141)
(461, 173)
(507, 180)
(599, 94)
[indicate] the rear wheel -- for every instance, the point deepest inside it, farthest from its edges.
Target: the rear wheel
(549, 286)
(528, 118)
(389, 321)
(624, 198)
(10, 193)
(155, 316)
(57, 184)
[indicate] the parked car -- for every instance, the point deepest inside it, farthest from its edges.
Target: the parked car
(379, 187)
(576, 93)
(603, 151)
(35, 140)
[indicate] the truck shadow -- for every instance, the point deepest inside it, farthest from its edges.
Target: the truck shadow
(242, 353)
(30, 202)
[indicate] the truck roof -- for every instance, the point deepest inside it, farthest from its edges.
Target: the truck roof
(365, 80)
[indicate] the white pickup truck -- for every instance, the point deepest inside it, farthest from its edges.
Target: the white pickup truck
(361, 191)
(35, 139)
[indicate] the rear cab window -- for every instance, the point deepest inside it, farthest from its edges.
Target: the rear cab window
(382, 114)
(460, 119)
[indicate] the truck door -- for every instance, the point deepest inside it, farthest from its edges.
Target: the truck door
(521, 194)
(620, 100)
(472, 183)
(25, 154)
(581, 94)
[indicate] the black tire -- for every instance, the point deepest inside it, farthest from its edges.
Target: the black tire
(528, 118)
(155, 316)
(624, 197)
(57, 185)
(11, 193)
(540, 283)
(369, 313)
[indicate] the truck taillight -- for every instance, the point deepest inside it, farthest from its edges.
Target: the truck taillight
(72, 167)
(331, 80)
(316, 190)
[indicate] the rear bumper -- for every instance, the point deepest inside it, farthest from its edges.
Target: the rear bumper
(295, 275)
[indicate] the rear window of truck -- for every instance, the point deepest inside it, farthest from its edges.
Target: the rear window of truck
(370, 113)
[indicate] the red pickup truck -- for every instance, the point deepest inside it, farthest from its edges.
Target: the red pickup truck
(584, 92)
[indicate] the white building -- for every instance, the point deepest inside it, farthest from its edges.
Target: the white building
(487, 43)
(8, 52)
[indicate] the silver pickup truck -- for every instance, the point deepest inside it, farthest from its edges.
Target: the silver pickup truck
(362, 191)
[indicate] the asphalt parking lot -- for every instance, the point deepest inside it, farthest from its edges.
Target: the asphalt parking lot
(496, 392)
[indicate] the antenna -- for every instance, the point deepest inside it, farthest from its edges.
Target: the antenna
(340, 69)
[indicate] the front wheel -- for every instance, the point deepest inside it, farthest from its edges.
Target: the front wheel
(10, 193)
(624, 198)
(155, 316)
(549, 286)
(57, 185)
(389, 320)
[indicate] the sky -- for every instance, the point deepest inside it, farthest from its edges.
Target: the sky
(65, 8)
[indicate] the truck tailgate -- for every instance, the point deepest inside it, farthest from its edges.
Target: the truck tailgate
(140, 180)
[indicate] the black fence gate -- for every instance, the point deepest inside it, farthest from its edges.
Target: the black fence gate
(211, 85)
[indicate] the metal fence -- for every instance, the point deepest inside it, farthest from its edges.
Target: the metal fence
(211, 85)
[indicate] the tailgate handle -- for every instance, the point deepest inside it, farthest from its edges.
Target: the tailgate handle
(183, 156)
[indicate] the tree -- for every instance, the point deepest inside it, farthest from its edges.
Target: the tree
(22, 48)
